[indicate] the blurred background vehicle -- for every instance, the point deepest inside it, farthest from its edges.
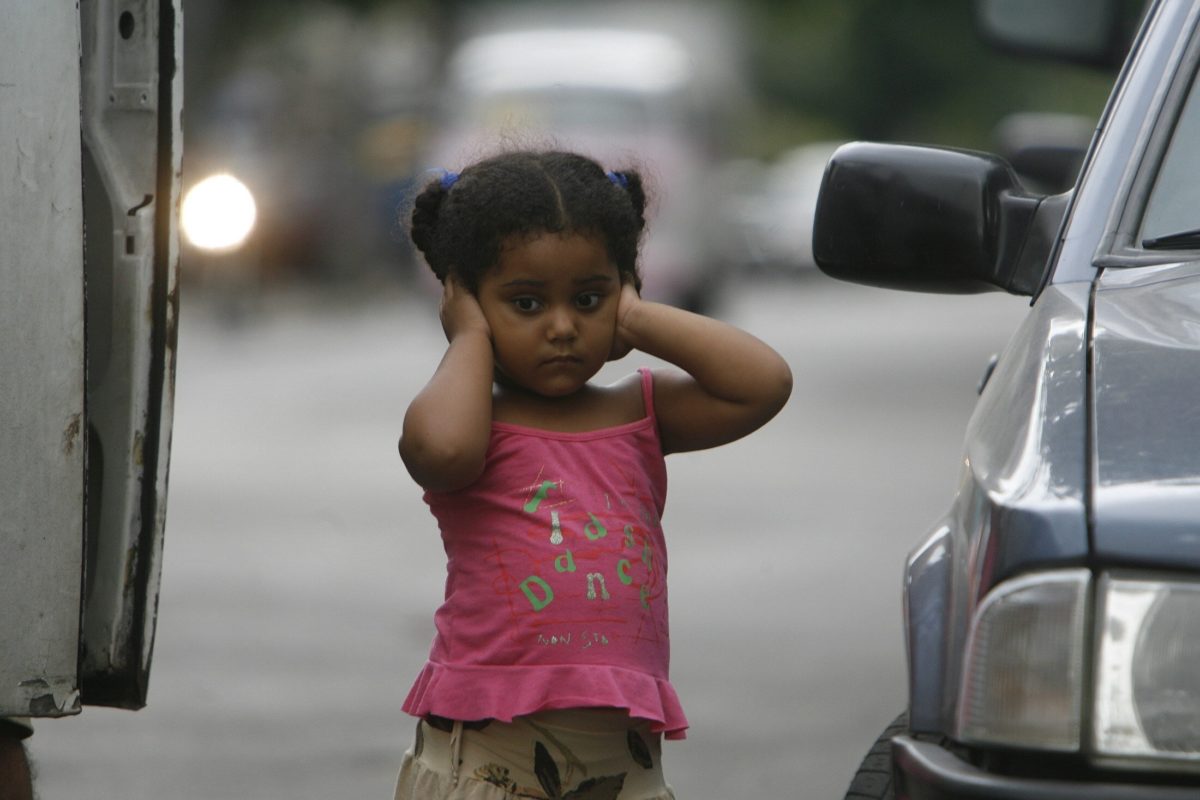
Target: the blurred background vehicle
(774, 216)
(652, 89)
(313, 128)
(1045, 148)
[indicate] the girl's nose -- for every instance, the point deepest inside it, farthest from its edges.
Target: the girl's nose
(562, 325)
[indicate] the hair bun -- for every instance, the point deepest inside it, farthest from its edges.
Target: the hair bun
(631, 181)
(427, 208)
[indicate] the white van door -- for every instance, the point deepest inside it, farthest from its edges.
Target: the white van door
(42, 439)
(90, 103)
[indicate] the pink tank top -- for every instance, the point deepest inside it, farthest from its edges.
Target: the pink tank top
(556, 592)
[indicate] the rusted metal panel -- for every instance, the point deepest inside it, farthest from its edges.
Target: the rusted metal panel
(132, 102)
(42, 438)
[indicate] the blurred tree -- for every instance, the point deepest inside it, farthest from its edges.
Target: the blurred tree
(901, 70)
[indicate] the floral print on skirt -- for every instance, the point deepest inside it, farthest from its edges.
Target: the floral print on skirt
(580, 754)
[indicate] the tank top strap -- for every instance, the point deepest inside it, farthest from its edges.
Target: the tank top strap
(648, 393)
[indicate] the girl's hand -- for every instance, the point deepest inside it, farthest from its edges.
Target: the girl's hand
(728, 384)
(626, 302)
(460, 311)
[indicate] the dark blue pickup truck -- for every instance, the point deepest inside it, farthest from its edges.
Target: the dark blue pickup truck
(1052, 617)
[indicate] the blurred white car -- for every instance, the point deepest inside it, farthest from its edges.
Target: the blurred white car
(625, 96)
(775, 218)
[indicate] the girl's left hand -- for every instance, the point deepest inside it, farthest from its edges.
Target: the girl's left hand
(626, 302)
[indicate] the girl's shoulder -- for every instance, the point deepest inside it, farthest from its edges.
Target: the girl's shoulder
(591, 408)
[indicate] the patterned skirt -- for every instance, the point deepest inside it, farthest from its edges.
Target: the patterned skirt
(580, 754)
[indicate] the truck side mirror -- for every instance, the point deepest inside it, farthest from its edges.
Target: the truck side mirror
(931, 219)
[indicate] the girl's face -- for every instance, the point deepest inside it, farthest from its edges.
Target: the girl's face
(551, 304)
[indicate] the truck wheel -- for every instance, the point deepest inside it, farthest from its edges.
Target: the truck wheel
(873, 781)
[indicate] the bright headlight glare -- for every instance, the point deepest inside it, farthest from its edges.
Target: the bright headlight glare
(1148, 670)
(218, 213)
(1023, 672)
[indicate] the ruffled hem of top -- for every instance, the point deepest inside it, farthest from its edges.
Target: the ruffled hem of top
(473, 692)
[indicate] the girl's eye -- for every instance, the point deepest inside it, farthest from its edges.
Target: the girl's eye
(589, 299)
(526, 304)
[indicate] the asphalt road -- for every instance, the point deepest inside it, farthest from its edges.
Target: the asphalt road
(301, 569)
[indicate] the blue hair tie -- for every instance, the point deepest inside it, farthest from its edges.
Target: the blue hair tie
(449, 179)
(619, 179)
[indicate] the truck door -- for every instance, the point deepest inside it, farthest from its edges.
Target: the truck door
(90, 103)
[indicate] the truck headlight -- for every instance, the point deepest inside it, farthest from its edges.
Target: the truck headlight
(1022, 680)
(1148, 670)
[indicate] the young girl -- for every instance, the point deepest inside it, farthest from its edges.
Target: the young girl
(548, 673)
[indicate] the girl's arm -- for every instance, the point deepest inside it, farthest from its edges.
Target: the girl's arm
(448, 424)
(733, 384)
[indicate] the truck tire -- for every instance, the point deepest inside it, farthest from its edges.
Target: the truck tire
(873, 781)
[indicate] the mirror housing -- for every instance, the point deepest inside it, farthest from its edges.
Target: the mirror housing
(931, 219)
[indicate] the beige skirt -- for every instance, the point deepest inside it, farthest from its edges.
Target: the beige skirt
(580, 754)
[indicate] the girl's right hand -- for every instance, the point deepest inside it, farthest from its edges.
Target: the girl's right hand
(460, 311)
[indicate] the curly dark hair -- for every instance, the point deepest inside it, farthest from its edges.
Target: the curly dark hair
(461, 226)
